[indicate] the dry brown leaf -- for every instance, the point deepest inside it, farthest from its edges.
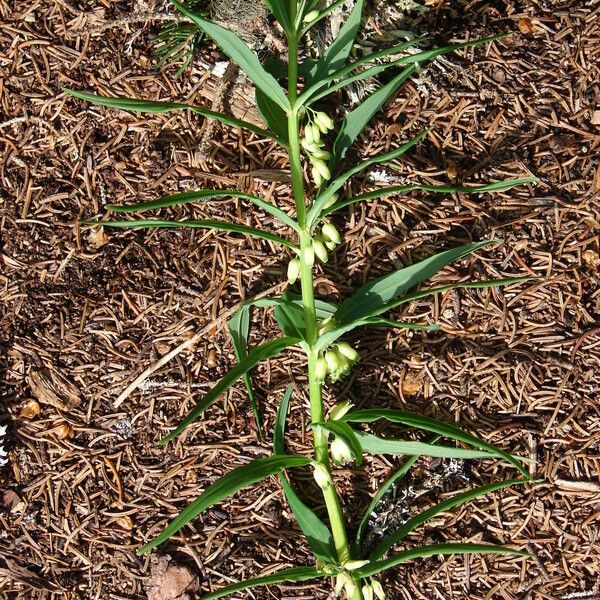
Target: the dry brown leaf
(170, 582)
(97, 237)
(591, 259)
(412, 384)
(64, 431)
(526, 26)
(50, 387)
(125, 522)
(596, 117)
(30, 410)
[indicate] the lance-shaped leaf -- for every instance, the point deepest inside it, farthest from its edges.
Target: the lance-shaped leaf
(280, 11)
(438, 189)
(317, 534)
(256, 355)
(203, 195)
(337, 53)
(160, 107)
(294, 574)
(201, 224)
(345, 433)
(239, 329)
(315, 91)
(381, 291)
(326, 339)
(381, 492)
(357, 119)
(235, 480)
(391, 540)
(433, 550)
(369, 415)
(373, 444)
(324, 196)
(273, 115)
(240, 54)
(322, 14)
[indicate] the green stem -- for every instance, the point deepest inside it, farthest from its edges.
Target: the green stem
(332, 502)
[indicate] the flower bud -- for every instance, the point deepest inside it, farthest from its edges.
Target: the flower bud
(332, 360)
(317, 177)
(321, 154)
(340, 452)
(323, 122)
(320, 250)
(326, 325)
(331, 233)
(310, 147)
(293, 270)
(348, 351)
(344, 580)
(311, 16)
(322, 475)
(339, 410)
(322, 168)
(309, 256)
(352, 565)
(378, 589)
(367, 592)
(309, 134)
(321, 369)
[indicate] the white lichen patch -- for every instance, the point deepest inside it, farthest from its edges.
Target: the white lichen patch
(3, 454)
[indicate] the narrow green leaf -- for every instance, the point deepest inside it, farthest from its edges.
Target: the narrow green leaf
(313, 93)
(241, 54)
(391, 540)
(294, 574)
(326, 339)
(317, 534)
(374, 444)
(290, 317)
(433, 550)
(273, 115)
(326, 11)
(357, 119)
(337, 53)
(381, 291)
(438, 189)
(280, 11)
(202, 224)
(315, 211)
(239, 329)
(256, 355)
(346, 433)
(159, 107)
(234, 481)
(381, 492)
(200, 195)
(368, 415)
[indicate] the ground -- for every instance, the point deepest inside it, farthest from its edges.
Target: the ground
(86, 311)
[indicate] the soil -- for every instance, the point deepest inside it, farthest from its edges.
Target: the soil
(87, 311)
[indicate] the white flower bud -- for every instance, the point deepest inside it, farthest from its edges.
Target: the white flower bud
(310, 147)
(331, 233)
(352, 565)
(327, 325)
(321, 369)
(367, 592)
(320, 250)
(321, 475)
(340, 452)
(332, 360)
(293, 270)
(321, 154)
(311, 16)
(317, 177)
(330, 245)
(323, 122)
(344, 580)
(348, 351)
(309, 256)
(322, 168)
(378, 589)
(309, 134)
(339, 410)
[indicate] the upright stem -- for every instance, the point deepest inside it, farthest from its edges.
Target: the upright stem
(332, 501)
